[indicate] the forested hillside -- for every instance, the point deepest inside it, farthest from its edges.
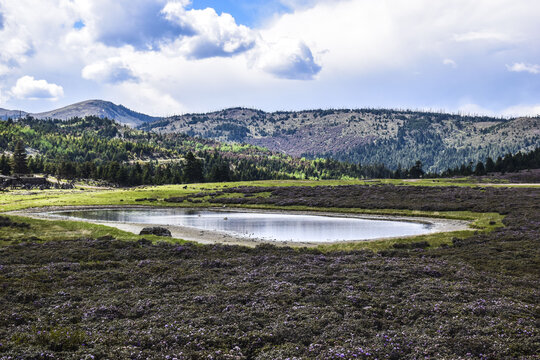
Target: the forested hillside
(366, 136)
(396, 138)
(98, 148)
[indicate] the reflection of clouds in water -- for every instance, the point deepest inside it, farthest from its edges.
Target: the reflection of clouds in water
(277, 227)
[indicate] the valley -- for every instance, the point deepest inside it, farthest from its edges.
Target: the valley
(78, 287)
(269, 180)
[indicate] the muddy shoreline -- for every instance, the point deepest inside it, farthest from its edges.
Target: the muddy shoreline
(216, 237)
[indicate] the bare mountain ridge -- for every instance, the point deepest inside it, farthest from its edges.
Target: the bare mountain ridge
(104, 109)
(368, 136)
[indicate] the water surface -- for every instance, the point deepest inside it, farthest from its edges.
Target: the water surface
(266, 226)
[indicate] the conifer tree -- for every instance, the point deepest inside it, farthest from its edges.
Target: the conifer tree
(5, 167)
(19, 163)
(480, 169)
(490, 165)
(193, 171)
(416, 171)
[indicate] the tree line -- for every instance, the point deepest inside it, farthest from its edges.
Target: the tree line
(95, 148)
(504, 164)
(202, 167)
(100, 149)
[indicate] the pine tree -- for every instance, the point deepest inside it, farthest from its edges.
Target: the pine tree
(19, 165)
(480, 169)
(490, 165)
(416, 171)
(5, 167)
(220, 172)
(193, 171)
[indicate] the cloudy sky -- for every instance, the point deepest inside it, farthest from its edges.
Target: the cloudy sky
(166, 57)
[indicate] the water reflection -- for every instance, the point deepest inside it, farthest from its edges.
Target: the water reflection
(276, 227)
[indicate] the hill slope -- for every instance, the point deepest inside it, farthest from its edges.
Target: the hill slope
(366, 135)
(103, 149)
(100, 108)
(13, 114)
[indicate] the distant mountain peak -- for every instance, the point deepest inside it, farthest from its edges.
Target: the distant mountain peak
(101, 108)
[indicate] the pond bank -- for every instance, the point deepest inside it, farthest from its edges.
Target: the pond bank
(213, 237)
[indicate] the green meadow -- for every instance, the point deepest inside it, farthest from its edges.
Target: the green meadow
(45, 230)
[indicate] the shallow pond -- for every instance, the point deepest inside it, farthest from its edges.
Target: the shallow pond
(266, 226)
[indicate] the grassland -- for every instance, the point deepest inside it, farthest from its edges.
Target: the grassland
(85, 196)
(206, 195)
(77, 291)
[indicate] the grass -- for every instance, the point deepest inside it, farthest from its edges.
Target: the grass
(103, 298)
(481, 222)
(22, 199)
(46, 230)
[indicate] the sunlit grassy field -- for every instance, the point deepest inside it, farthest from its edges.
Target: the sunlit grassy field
(156, 196)
(82, 196)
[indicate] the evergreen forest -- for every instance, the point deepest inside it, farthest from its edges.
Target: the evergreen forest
(101, 149)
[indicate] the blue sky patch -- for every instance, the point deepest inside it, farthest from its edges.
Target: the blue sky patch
(250, 13)
(79, 25)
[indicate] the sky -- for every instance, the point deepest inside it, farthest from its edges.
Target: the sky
(165, 57)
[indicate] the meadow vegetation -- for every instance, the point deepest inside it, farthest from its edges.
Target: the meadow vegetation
(91, 295)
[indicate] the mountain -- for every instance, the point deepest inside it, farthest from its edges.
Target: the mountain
(103, 109)
(103, 149)
(13, 114)
(366, 136)
(100, 108)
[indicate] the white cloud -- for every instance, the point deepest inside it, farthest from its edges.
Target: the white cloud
(521, 110)
(450, 62)
(149, 100)
(29, 88)
(510, 111)
(355, 52)
(303, 4)
(137, 23)
(475, 109)
(30, 27)
(113, 71)
(522, 67)
(288, 59)
(213, 35)
(219, 36)
(481, 36)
